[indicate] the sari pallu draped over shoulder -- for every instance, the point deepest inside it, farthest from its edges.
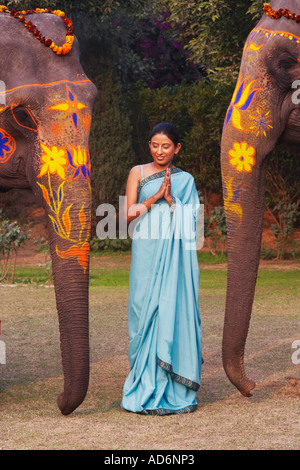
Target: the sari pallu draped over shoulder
(163, 315)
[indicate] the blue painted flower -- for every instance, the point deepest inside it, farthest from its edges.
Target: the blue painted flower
(7, 146)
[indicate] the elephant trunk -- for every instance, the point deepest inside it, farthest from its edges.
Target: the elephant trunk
(71, 282)
(72, 306)
(68, 205)
(244, 243)
(257, 117)
(236, 325)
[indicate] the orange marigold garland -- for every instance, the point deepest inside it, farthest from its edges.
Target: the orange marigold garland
(279, 13)
(60, 50)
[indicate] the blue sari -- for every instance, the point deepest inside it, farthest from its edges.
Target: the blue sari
(163, 315)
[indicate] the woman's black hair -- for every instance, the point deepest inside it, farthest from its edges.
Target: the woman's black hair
(167, 129)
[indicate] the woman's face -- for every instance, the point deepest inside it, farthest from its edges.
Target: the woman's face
(163, 149)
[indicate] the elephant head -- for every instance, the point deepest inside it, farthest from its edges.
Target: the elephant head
(45, 120)
(262, 113)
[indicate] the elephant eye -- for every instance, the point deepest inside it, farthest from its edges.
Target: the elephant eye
(24, 118)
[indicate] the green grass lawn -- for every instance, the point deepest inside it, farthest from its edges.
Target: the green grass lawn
(116, 276)
(32, 377)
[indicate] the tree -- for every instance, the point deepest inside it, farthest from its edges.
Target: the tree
(214, 32)
(102, 7)
(110, 141)
(185, 105)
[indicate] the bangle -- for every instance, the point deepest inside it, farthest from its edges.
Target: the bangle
(144, 202)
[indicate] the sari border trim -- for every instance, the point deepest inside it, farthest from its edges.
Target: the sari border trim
(164, 411)
(159, 174)
(178, 378)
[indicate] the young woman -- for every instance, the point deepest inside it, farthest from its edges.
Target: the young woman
(163, 315)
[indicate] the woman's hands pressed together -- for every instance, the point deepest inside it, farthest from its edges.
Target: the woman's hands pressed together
(134, 210)
(165, 189)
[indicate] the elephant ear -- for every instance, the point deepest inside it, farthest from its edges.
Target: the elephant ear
(283, 67)
(24, 118)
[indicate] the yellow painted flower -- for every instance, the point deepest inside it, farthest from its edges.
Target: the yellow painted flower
(53, 161)
(242, 157)
(72, 105)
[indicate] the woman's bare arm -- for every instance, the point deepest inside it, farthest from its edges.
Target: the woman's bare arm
(134, 210)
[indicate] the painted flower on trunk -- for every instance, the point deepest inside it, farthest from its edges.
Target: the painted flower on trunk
(261, 122)
(54, 161)
(241, 100)
(231, 197)
(71, 106)
(7, 146)
(80, 252)
(61, 213)
(242, 157)
(80, 161)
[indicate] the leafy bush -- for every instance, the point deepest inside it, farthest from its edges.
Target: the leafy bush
(267, 253)
(285, 225)
(98, 245)
(43, 247)
(12, 237)
(110, 142)
(215, 229)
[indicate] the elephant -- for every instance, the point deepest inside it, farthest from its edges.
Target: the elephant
(263, 112)
(45, 118)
